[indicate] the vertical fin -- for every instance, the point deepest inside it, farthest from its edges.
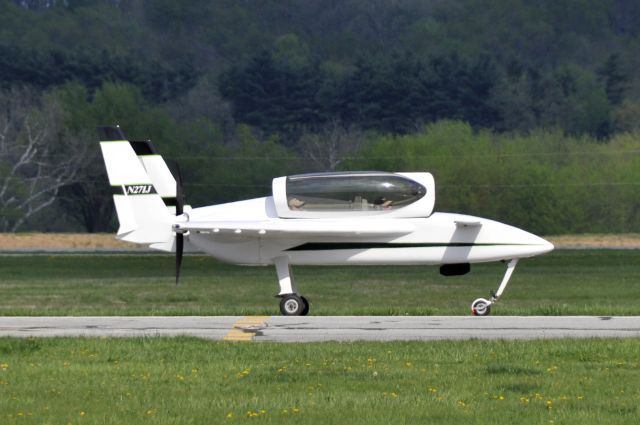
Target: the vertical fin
(158, 171)
(141, 212)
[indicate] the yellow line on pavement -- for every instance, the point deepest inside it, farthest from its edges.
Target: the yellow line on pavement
(241, 330)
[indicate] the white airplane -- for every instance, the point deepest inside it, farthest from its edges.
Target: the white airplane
(344, 218)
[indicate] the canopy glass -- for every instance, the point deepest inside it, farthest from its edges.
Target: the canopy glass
(351, 191)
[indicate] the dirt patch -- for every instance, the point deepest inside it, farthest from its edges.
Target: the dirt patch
(19, 241)
(106, 241)
(624, 240)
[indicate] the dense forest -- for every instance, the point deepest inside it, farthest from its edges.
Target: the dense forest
(528, 112)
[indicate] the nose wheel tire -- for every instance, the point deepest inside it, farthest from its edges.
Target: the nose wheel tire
(294, 305)
(481, 307)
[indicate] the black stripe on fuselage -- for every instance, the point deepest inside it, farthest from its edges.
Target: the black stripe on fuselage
(331, 246)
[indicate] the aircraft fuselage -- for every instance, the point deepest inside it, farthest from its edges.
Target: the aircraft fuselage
(441, 238)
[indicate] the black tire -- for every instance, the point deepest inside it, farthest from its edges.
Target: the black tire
(305, 311)
(292, 305)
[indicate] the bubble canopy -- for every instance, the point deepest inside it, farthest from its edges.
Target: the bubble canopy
(352, 193)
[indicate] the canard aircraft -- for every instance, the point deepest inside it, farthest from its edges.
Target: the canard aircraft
(338, 218)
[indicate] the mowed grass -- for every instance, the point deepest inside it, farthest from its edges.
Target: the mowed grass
(191, 381)
(580, 282)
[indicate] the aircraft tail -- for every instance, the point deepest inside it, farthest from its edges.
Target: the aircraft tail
(159, 172)
(142, 214)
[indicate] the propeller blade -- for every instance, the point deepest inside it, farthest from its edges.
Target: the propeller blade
(179, 192)
(179, 211)
(179, 251)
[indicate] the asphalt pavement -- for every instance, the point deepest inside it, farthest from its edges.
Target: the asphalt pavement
(326, 328)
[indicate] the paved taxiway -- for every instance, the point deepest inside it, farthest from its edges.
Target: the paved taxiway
(326, 328)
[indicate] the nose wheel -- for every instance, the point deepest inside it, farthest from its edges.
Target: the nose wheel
(482, 307)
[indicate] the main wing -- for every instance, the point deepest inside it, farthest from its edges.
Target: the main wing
(298, 227)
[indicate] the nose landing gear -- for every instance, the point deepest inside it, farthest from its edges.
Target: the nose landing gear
(481, 306)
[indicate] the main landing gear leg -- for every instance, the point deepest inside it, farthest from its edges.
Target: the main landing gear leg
(482, 307)
(291, 302)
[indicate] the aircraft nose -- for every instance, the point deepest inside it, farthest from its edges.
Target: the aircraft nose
(548, 246)
(540, 245)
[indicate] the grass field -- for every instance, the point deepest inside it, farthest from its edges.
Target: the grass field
(190, 381)
(580, 282)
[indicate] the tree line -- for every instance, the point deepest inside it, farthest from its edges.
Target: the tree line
(545, 180)
(524, 111)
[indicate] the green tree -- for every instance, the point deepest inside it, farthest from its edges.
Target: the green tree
(615, 80)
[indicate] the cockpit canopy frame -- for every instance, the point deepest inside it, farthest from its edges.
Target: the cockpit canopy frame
(354, 194)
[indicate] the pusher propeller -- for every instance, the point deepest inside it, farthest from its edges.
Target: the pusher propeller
(179, 235)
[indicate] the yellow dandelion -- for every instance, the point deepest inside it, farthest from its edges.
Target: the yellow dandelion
(82, 413)
(229, 415)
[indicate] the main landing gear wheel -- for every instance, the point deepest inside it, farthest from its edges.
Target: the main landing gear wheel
(305, 311)
(294, 305)
(481, 307)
